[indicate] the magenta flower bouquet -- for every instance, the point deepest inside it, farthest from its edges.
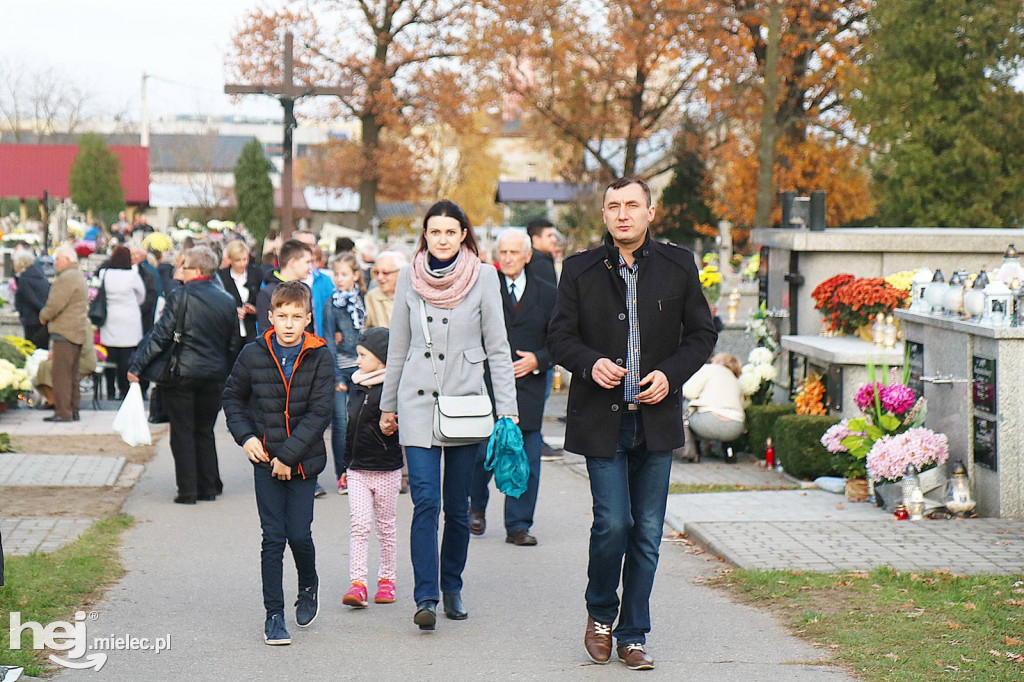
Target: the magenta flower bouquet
(888, 408)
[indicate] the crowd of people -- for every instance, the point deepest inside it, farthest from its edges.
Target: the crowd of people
(363, 344)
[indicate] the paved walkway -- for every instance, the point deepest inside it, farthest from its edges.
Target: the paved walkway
(193, 574)
(25, 535)
(64, 470)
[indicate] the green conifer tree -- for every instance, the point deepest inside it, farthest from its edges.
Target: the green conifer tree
(254, 193)
(684, 201)
(938, 100)
(95, 178)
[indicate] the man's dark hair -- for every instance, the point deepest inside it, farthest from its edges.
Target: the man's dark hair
(626, 182)
(292, 249)
(536, 227)
(342, 244)
(290, 292)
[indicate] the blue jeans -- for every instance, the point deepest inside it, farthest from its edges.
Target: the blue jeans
(518, 512)
(630, 491)
(286, 514)
(428, 491)
(339, 424)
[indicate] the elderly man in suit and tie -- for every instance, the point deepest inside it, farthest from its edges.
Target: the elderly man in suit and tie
(528, 302)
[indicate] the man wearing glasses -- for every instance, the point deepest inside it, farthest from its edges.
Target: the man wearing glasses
(380, 301)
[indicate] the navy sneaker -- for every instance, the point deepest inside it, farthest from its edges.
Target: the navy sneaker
(319, 491)
(307, 606)
(274, 631)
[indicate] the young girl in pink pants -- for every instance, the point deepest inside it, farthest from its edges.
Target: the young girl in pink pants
(373, 473)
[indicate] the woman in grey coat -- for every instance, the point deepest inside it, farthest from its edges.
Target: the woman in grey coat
(467, 326)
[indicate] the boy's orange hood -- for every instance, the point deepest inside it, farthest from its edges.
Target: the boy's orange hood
(308, 341)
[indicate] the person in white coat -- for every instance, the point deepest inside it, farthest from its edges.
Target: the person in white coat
(122, 330)
(463, 311)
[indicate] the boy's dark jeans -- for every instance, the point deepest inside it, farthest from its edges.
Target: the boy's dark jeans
(286, 514)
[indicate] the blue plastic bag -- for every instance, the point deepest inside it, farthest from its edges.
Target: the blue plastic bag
(507, 458)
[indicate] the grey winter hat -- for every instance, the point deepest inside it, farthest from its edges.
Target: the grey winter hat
(375, 340)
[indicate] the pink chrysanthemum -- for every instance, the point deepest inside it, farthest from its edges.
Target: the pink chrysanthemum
(833, 438)
(890, 455)
(897, 399)
(865, 397)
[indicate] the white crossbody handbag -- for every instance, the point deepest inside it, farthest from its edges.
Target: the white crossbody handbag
(458, 418)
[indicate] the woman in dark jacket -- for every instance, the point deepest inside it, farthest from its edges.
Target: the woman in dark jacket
(30, 297)
(206, 340)
(243, 282)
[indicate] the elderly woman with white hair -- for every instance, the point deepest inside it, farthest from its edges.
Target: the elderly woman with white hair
(381, 301)
(30, 297)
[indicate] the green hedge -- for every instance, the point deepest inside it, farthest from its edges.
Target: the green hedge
(798, 445)
(761, 422)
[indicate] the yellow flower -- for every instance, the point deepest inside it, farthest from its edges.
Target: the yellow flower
(159, 241)
(902, 280)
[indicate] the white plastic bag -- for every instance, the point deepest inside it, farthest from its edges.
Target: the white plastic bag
(130, 422)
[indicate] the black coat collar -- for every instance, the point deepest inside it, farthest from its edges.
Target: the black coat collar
(642, 252)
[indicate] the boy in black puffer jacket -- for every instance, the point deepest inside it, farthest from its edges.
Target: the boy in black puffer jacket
(278, 402)
(373, 472)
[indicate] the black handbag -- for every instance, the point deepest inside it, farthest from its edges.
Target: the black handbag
(164, 368)
(98, 306)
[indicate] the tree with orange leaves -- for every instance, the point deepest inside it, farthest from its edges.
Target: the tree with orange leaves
(604, 76)
(397, 56)
(779, 68)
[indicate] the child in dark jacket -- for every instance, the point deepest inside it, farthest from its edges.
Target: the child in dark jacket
(278, 403)
(373, 464)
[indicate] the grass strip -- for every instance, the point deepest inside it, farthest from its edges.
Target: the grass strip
(886, 625)
(45, 587)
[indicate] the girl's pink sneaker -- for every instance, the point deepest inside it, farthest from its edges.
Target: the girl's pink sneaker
(385, 592)
(356, 596)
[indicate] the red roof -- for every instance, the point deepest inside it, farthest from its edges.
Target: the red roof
(26, 170)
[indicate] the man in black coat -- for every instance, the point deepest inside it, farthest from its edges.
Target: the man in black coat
(543, 240)
(632, 325)
(528, 303)
(30, 297)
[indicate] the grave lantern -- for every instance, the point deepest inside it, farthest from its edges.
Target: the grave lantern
(974, 298)
(958, 498)
(998, 304)
(953, 301)
(1011, 268)
(918, 285)
(936, 293)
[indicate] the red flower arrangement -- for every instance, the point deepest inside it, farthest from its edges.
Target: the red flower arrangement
(824, 292)
(848, 303)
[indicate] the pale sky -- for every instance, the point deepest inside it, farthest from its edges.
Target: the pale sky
(105, 45)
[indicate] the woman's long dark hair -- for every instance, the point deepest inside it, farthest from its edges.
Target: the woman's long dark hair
(450, 209)
(120, 258)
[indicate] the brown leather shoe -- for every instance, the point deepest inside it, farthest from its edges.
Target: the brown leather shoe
(477, 523)
(635, 657)
(598, 641)
(521, 537)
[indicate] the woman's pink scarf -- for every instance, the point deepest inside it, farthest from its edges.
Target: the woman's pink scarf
(448, 291)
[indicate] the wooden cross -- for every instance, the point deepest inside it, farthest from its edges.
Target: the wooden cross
(287, 91)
